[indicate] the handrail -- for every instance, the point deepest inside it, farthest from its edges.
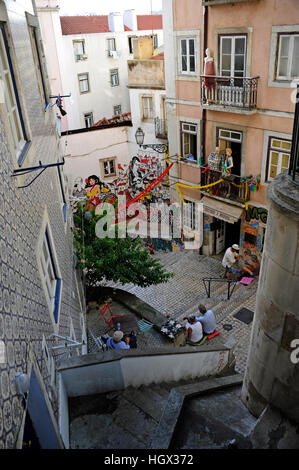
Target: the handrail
(219, 279)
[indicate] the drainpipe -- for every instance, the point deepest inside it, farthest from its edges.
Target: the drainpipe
(204, 111)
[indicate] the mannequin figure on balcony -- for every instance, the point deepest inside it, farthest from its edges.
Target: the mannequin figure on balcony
(209, 69)
(215, 160)
(226, 169)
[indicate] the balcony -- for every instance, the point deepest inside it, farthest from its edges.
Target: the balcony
(160, 128)
(232, 189)
(207, 3)
(231, 94)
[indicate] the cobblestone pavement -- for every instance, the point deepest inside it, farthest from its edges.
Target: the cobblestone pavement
(181, 295)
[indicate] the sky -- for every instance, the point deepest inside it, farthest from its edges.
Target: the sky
(102, 7)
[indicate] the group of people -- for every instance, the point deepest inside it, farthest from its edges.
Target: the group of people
(250, 265)
(198, 327)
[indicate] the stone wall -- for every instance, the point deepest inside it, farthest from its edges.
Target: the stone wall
(24, 314)
(272, 376)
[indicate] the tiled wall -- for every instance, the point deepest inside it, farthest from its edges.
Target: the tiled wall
(24, 315)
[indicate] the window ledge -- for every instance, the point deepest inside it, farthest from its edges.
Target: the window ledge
(24, 152)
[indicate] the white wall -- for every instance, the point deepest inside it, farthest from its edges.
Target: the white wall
(137, 121)
(84, 150)
(132, 370)
(102, 97)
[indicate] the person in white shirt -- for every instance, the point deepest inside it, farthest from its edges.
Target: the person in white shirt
(194, 330)
(231, 256)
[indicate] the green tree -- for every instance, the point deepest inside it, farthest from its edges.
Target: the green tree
(124, 260)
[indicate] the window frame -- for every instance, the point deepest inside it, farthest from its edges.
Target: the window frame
(114, 73)
(189, 213)
(47, 258)
(268, 179)
(113, 40)
(145, 117)
(21, 146)
(108, 160)
(233, 37)
(292, 36)
(186, 131)
(87, 80)
(79, 41)
(188, 71)
(116, 106)
(86, 116)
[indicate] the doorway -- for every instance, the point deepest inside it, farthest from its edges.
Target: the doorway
(231, 139)
(232, 233)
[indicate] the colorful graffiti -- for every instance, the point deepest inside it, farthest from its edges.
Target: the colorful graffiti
(141, 180)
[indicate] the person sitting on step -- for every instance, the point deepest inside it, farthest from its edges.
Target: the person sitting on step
(194, 331)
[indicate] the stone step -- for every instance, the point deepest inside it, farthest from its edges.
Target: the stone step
(131, 419)
(147, 400)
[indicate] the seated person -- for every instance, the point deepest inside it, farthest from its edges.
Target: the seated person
(115, 342)
(207, 319)
(251, 265)
(194, 330)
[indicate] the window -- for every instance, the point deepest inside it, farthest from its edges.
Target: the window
(117, 109)
(51, 280)
(63, 191)
(11, 99)
(232, 56)
(147, 107)
(189, 215)
(189, 141)
(111, 44)
(155, 41)
(188, 60)
(88, 119)
(279, 157)
(114, 79)
(83, 82)
(288, 57)
(40, 70)
(109, 167)
(79, 49)
(130, 40)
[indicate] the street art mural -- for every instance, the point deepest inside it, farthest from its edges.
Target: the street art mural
(252, 238)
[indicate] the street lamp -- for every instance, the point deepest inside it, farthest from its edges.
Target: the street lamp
(139, 136)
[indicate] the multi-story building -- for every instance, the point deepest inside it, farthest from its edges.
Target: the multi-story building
(41, 296)
(146, 83)
(92, 54)
(230, 66)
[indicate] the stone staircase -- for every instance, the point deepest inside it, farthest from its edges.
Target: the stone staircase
(204, 413)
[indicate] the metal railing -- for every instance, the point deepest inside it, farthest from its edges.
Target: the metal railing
(232, 187)
(229, 91)
(294, 159)
(219, 279)
(160, 128)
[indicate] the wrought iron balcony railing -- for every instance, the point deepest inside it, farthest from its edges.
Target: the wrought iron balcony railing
(229, 91)
(232, 187)
(294, 160)
(160, 128)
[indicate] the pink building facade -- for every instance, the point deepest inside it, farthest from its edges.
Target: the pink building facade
(244, 101)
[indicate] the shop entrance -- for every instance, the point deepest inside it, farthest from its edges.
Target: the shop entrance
(232, 233)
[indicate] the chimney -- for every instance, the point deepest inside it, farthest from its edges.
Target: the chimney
(115, 22)
(130, 19)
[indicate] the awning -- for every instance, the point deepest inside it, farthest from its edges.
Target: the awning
(221, 210)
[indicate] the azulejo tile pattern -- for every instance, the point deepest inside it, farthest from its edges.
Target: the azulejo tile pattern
(24, 316)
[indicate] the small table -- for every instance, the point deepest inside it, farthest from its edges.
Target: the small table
(127, 323)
